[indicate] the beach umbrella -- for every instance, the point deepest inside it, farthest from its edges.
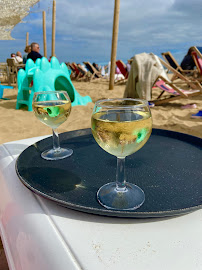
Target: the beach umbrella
(12, 13)
(114, 43)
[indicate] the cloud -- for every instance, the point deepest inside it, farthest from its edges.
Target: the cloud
(84, 28)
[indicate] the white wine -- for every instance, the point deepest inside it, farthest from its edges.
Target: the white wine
(121, 133)
(52, 113)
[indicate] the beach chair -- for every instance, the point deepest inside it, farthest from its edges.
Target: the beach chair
(198, 63)
(95, 74)
(198, 51)
(124, 72)
(77, 71)
(173, 91)
(174, 64)
(84, 74)
(72, 70)
(191, 82)
(81, 74)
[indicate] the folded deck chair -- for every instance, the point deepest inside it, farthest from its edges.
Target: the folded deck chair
(124, 72)
(174, 64)
(95, 74)
(173, 91)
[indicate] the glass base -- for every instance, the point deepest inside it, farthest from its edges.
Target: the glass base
(130, 198)
(57, 154)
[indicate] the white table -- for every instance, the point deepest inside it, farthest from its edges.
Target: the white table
(38, 234)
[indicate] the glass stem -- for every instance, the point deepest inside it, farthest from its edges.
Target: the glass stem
(120, 174)
(56, 143)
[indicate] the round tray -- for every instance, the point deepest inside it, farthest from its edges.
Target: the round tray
(167, 168)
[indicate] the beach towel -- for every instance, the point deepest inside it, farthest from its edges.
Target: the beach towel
(145, 70)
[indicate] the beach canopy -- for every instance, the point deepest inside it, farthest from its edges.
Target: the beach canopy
(12, 13)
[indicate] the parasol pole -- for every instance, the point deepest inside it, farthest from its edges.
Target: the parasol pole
(114, 43)
(53, 27)
(44, 34)
(27, 38)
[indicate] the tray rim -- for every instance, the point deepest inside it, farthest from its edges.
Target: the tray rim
(104, 211)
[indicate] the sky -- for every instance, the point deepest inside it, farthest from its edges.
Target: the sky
(84, 29)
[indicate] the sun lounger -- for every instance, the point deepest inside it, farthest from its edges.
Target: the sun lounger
(173, 91)
(81, 73)
(198, 51)
(198, 63)
(124, 72)
(77, 71)
(84, 74)
(147, 71)
(73, 72)
(95, 74)
(192, 82)
(174, 64)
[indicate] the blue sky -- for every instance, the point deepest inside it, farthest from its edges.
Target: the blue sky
(84, 28)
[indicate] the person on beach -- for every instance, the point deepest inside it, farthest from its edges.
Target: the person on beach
(188, 61)
(18, 58)
(13, 55)
(117, 70)
(128, 66)
(34, 54)
(96, 66)
(26, 50)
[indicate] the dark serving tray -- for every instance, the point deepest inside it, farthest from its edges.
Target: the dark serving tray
(168, 168)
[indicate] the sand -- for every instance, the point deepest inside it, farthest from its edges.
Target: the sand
(21, 124)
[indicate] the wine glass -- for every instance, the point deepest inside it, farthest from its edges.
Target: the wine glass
(53, 108)
(121, 127)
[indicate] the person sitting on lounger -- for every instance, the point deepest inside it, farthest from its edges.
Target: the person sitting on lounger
(18, 58)
(188, 62)
(96, 66)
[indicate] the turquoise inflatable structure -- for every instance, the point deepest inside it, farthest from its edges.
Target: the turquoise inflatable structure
(46, 76)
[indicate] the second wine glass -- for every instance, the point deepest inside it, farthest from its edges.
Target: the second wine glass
(121, 127)
(53, 108)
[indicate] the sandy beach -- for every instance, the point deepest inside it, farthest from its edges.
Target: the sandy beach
(21, 124)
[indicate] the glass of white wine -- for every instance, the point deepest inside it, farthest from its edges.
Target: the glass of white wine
(121, 127)
(53, 108)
